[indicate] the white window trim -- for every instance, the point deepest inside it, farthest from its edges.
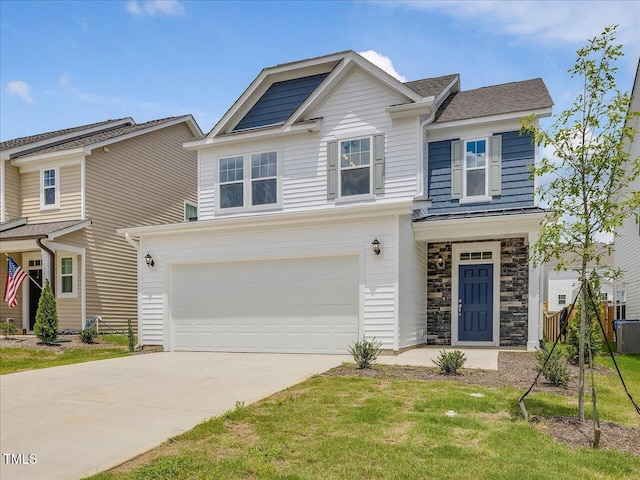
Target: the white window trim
(476, 198)
(74, 277)
(363, 196)
(456, 250)
(191, 204)
(247, 182)
(56, 205)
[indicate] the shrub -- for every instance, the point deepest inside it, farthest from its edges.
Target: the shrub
(88, 335)
(131, 336)
(46, 327)
(450, 362)
(593, 340)
(555, 371)
(8, 329)
(365, 352)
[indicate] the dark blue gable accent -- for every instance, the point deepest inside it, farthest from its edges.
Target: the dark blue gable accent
(518, 153)
(279, 101)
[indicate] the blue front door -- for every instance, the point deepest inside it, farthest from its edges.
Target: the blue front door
(475, 303)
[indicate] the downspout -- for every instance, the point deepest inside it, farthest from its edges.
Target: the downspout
(422, 197)
(52, 263)
(136, 246)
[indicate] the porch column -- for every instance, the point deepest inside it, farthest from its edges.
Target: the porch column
(534, 330)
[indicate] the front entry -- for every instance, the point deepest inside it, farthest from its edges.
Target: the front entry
(475, 303)
(34, 296)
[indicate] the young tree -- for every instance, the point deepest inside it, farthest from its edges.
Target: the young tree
(46, 327)
(587, 194)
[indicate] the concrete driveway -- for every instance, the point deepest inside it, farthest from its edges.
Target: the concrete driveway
(72, 421)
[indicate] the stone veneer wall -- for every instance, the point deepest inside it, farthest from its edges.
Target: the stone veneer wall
(514, 289)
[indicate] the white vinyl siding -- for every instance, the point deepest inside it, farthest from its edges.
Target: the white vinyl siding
(412, 314)
(355, 109)
(377, 274)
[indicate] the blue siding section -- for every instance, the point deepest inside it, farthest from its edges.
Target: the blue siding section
(280, 101)
(517, 188)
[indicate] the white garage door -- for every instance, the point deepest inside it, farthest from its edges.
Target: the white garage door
(292, 305)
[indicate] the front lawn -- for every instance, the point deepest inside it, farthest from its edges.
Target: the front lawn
(18, 358)
(384, 428)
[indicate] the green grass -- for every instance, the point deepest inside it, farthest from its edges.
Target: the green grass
(15, 359)
(117, 339)
(355, 428)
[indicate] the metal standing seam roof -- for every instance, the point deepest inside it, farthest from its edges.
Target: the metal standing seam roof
(479, 213)
(36, 230)
(495, 100)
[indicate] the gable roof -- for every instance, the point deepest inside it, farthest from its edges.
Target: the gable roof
(432, 87)
(495, 100)
(89, 137)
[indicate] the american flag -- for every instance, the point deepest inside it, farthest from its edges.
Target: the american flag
(15, 277)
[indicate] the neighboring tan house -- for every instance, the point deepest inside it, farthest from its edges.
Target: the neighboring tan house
(336, 203)
(627, 240)
(64, 194)
(561, 287)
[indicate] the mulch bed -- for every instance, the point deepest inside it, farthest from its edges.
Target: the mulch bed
(33, 343)
(517, 369)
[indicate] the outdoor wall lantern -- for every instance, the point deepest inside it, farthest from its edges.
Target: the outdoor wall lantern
(440, 262)
(376, 246)
(149, 259)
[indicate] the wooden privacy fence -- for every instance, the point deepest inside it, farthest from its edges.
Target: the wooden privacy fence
(551, 325)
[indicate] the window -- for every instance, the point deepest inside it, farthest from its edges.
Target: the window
(253, 184)
(190, 212)
(621, 304)
(231, 182)
(355, 167)
(562, 299)
(476, 168)
(603, 296)
(264, 178)
(49, 193)
(67, 285)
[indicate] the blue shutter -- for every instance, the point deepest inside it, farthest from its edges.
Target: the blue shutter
(456, 169)
(332, 170)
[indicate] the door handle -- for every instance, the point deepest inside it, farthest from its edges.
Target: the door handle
(459, 307)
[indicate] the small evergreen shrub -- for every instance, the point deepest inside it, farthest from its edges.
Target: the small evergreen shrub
(46, 328)
(450, 362)
(88, 335)
(8, 329)
(593, 340)
(131, 336)
(365, 352)
(555, 371)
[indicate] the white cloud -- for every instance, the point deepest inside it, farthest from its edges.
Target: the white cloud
(569, 21)
(20, 89)
(383, 62)
(170, 8)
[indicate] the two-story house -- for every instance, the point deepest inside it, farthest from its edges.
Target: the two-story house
(336, 203)
(626, 255)
(64, 194)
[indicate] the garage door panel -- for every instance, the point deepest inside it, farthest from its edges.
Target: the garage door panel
(293, 305)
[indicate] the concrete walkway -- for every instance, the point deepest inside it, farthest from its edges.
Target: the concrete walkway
(73, 421)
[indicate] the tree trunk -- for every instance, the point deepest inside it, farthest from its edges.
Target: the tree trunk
(583, 323)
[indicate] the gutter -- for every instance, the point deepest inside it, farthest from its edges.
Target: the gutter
(52, 263)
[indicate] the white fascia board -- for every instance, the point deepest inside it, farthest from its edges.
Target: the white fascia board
(541, 113)
(330, 214)
(407, 110)
(310, 126)
(476, 228)
(14, 223)
(446, 91)
(61, 138)
(59, 159)
(71, 229)
(28, 245)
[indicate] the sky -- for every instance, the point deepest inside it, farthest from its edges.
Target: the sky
(65, 64)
